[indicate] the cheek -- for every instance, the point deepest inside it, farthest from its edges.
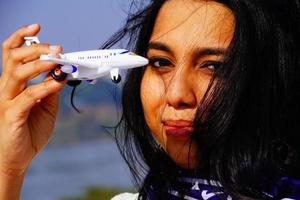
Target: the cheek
(153, 100)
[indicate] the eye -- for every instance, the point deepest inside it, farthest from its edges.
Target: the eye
(159, 62)
(211, 65)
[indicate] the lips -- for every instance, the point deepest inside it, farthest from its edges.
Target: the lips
(178, 128)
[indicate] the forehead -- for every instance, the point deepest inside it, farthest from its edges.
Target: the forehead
(193, 23)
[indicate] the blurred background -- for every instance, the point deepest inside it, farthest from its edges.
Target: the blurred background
(81, 160)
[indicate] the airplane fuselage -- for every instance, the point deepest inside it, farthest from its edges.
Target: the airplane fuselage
(97, 63)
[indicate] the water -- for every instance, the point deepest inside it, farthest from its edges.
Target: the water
(69, 170)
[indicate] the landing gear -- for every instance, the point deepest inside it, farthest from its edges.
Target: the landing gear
(116, 79)
(57, 74)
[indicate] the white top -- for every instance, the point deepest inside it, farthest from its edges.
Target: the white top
(126, 196)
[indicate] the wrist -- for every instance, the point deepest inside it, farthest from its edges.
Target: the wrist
(12, 173)
(11, 182)
(8, 171)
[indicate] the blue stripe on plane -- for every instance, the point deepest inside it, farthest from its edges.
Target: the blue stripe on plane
(124, 52)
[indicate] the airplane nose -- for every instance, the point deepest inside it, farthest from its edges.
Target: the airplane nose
(136, 61)
(143, 61)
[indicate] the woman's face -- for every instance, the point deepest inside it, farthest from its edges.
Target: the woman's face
(188, 42)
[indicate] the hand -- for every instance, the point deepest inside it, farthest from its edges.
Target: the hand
(28, 113)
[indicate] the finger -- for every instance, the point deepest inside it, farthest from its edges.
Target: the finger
(18, 79)
(22, 55)
(29, 53)
(17, 39)
(33, 94)
(50, 102)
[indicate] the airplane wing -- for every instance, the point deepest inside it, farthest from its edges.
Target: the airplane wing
(63, 61)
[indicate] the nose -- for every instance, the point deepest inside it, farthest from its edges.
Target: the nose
(180, 90)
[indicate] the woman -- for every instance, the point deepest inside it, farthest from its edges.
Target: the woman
(213, 115)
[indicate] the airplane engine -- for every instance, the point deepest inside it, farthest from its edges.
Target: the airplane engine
(58, 74)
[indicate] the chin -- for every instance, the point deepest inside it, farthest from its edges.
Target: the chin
(184, 155)
(185, 164)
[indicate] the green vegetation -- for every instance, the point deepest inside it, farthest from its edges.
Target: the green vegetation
(95, 193)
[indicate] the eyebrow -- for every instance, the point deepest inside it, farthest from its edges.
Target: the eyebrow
(159, 46)
(199, 52)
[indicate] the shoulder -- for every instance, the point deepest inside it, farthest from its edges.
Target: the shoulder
(126, 196)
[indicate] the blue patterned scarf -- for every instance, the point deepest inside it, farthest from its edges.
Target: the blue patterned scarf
(197, 188)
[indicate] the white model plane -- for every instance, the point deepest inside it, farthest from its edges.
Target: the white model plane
(90, 65)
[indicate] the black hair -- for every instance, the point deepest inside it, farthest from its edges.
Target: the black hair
(251, 113)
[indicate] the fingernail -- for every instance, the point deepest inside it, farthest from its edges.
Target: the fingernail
(54, 48)
(32, 26)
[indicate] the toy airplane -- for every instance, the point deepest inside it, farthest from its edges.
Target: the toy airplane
(90, 65)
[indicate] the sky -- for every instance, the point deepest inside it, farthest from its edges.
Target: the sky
(76, 25)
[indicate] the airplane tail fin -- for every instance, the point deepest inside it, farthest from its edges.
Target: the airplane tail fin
(31, 40)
